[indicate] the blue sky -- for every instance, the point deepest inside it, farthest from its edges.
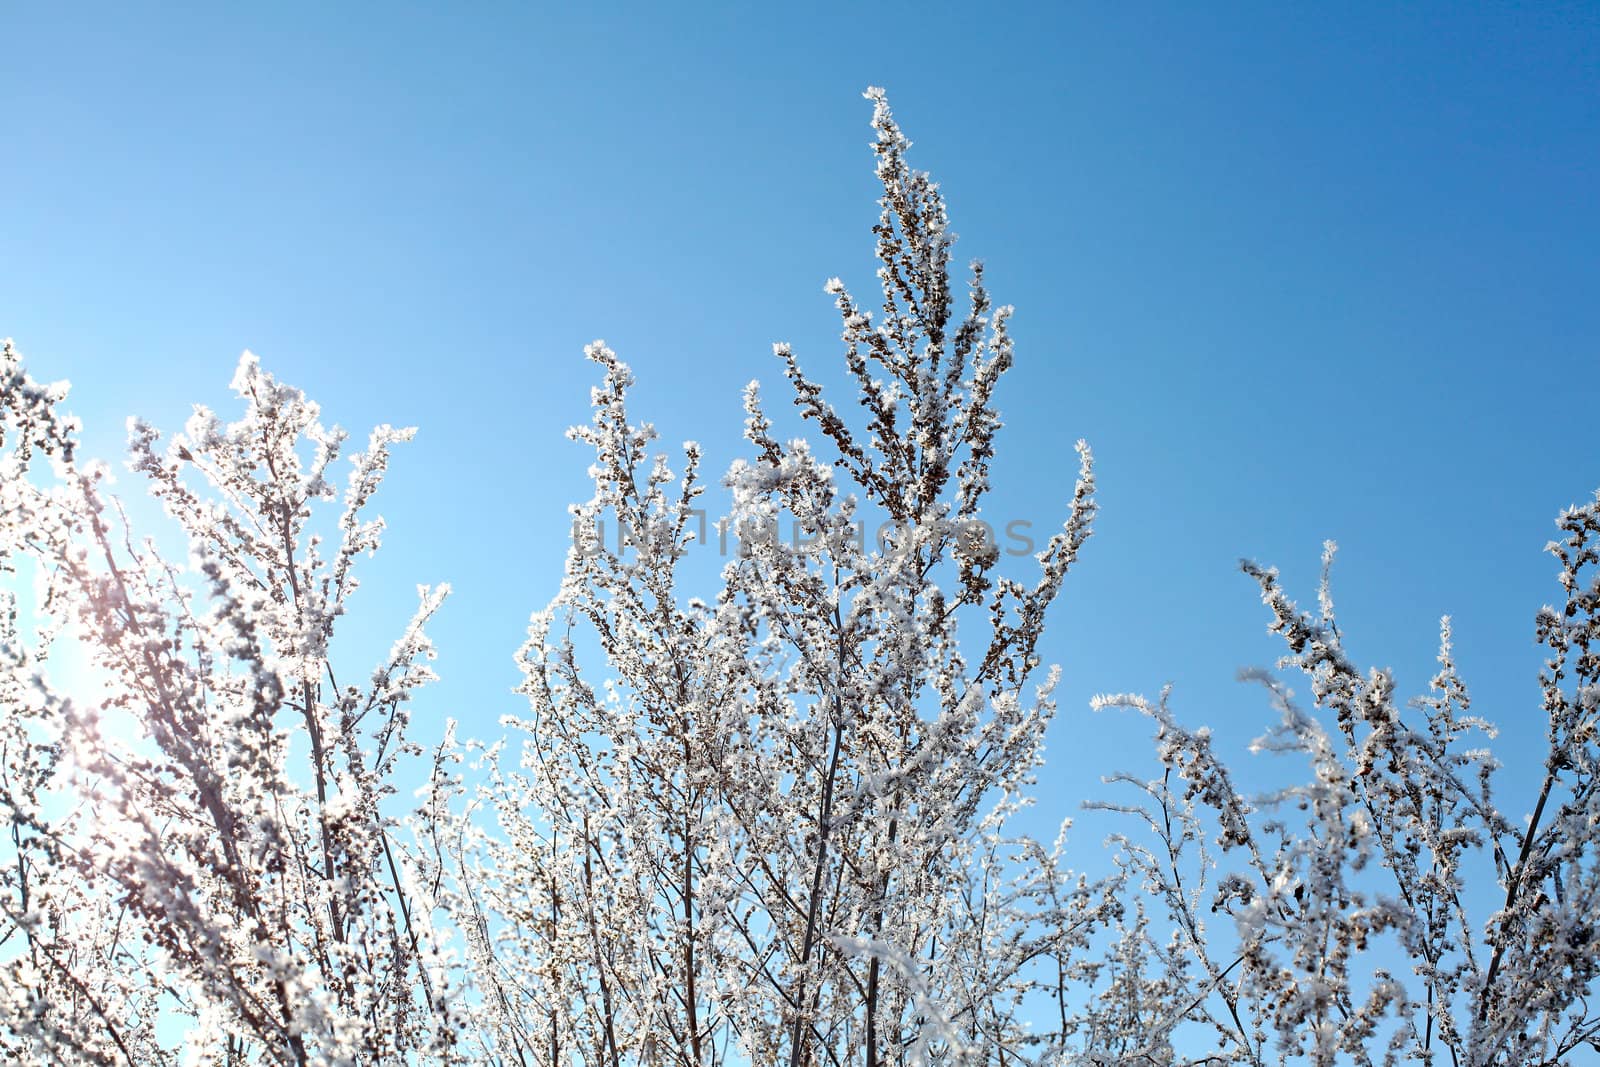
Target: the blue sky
(1295, 273)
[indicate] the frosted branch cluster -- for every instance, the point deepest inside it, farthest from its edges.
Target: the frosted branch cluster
(772, 824)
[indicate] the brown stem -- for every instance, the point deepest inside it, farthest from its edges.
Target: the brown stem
(813, 907)
(1514, 889)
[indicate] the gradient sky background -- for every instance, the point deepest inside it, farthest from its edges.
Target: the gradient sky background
(1295, 273)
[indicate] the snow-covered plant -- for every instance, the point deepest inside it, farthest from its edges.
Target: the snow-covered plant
(773, 829)
(199, 864)
(772, 826)
(1361, 932)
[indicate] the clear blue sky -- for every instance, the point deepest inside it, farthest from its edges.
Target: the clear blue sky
(1296, 273)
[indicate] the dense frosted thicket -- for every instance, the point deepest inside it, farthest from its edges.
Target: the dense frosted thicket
(772, 824)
